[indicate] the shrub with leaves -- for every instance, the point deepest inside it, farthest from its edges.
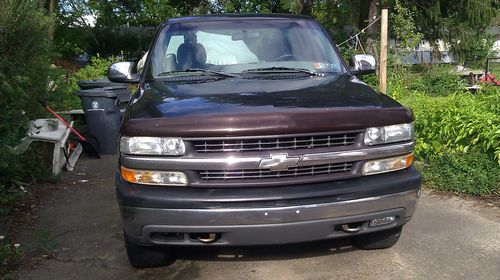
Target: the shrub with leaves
(96, 69)
(64, 83)
(24, 68)
(459, 122)
(439, 81)
(457, 132)
(433, 81)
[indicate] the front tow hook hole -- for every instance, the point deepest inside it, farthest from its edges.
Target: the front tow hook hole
(350, 228)
(207, 238)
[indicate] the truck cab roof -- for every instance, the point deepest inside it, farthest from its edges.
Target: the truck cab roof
(221, 17)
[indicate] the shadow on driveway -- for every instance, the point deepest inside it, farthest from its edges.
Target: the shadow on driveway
(266, 253)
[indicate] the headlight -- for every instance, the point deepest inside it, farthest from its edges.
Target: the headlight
(164, 178)
(169, 146)
(389, 134)
(387, 164)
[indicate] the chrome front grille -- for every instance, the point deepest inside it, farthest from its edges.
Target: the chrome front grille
(259, 174)
(273, 144)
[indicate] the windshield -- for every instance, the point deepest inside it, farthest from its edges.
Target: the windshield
(236, 46)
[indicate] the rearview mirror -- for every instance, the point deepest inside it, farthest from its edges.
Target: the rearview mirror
(123, 72)
(361, 64)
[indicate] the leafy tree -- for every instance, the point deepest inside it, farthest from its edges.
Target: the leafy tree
(153, 12)
(403, 26)
(76, 33)
(243, 6)
(461, 23)
(73, 32)
(192, 7)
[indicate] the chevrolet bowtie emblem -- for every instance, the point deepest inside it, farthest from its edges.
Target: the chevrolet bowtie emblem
(278, 162)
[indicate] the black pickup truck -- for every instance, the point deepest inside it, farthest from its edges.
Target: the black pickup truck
(251, 130)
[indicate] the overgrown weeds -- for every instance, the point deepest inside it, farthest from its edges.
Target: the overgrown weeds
(457, 132)
(10, 255)
(456, 123)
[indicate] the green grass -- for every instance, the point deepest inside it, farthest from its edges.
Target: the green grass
(465, 173)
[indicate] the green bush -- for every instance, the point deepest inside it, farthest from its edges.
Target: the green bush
(70, 41)
(447, 118)
(65, 84)
(96, 69)
(433, 81)
(24, 68)
(457, 132)
(438, 81)
(458, 123)
(471, 173)
(61, 95)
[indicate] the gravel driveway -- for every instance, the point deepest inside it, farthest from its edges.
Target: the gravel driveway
(448, 238)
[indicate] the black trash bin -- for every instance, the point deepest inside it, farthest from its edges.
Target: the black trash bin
(102, 114)
(97, 83)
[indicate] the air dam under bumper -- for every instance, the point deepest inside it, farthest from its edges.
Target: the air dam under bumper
(260, 226)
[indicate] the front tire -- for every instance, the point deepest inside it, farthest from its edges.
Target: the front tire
(147, 256)
(378, 240)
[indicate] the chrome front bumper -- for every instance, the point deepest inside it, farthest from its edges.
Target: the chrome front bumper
(273, 225)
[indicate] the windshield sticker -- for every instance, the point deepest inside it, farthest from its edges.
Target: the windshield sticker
(320, 65)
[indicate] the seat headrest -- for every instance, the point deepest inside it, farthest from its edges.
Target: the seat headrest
(191, 55)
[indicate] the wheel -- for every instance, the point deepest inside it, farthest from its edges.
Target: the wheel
(378, 240)
(147, 256)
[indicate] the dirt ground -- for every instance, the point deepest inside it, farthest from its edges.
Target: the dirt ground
(78, 236)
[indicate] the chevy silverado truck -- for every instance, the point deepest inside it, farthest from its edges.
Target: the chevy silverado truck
(252, 130)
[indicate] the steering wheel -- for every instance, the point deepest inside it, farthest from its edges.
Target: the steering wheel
(288, 57)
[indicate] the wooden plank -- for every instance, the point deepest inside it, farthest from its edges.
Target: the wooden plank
(70, 164)
(71, 112)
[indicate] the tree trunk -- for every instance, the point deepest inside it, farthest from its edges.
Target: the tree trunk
(306, 7)
(52, 7)
(372, 31)
(364, 8)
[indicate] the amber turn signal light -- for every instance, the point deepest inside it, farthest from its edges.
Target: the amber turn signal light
(387, 164)
(151, 177)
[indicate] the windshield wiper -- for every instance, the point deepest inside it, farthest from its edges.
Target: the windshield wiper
(196, 70)
(280, 70)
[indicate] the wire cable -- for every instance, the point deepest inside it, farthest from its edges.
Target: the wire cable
(357, 34)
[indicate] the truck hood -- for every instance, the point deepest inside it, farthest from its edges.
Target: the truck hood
(236, 107)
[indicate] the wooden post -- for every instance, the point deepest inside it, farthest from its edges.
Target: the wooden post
(383, 51)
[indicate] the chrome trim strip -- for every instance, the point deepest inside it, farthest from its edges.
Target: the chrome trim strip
(135, 218)
(231, 162)
(356, 131)
(355, 155)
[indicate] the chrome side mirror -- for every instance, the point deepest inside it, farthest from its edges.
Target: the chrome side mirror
(123, 72)
(361, 64)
